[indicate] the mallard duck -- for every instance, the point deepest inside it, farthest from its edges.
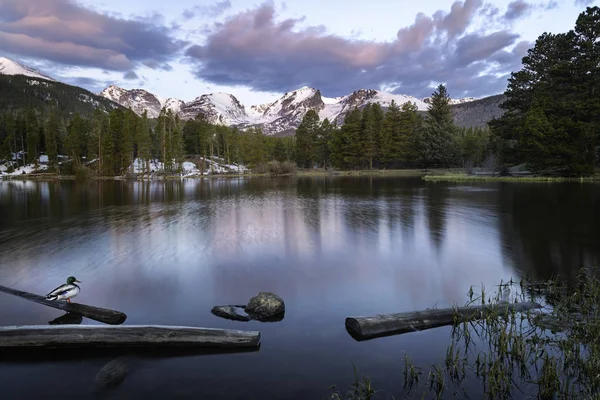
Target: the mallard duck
(65, 291)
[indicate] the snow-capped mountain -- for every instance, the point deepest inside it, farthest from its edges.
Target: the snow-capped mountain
(218, 108)
(286, 113)
(11, 67)
(140, 100)
(277, 118)
(280, 117)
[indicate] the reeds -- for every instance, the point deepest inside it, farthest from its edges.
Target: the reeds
(553, 354)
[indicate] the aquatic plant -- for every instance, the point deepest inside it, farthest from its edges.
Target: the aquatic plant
(552, 353)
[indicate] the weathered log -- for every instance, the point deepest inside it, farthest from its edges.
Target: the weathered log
(60, 336)
(104, 315)
(363, 328)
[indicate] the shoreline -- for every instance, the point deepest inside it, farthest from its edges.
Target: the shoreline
(525, 179)
(428, 175)
(298, 173)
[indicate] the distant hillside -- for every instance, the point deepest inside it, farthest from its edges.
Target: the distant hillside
(21, 92)
(478, 113)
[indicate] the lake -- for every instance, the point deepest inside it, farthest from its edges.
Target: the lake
(166, 252)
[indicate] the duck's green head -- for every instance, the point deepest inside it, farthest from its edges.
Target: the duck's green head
(71, 280)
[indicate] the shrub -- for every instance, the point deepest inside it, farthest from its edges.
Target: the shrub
(82, 173)
(276, 168)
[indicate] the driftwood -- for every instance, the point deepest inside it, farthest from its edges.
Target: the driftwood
(363, 328)
(60, 336)
(104, 315)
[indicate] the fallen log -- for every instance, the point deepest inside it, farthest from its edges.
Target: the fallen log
(104, 315)
(364, 328)
(61, 336)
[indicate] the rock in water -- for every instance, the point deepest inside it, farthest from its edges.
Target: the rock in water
(265, 305)
(112, 373)
(235, 313)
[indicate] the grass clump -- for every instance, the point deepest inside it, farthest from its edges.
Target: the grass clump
(546, 354)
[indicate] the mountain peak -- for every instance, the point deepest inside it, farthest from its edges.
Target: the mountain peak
(12, 67)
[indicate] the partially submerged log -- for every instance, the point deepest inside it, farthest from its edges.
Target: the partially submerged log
(60, 336)
(104, 315)
(363, 328)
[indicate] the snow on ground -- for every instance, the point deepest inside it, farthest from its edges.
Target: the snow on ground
(27, 169)
(213, 166)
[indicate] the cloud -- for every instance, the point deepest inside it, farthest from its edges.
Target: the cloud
(517, 9)
(130, 75)
(93, 85)
(255, 49)
(583, 2)
(211, 11)
(65, 32)
(154, 64)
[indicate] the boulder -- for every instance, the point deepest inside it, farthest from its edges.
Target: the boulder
(235, 313)
(265, 306)
(113, 373)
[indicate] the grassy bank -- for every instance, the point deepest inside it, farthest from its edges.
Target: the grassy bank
(299, 173)
(374, 172)
(456, 177)
(550, 354)
(430, 175)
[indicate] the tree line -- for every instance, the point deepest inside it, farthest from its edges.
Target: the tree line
(397, 138)
(552, 111)
(108, 143)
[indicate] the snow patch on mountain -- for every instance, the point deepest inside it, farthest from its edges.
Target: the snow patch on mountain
(218, 108)
(11, 67)
(427, 100)
(140, 100)
(172, 104)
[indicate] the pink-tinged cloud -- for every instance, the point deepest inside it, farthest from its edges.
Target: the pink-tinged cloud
(256, 49)
(65, 32)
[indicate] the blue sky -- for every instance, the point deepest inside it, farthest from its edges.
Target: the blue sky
(259, 50)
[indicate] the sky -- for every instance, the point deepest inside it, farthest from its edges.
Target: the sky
(259, 50)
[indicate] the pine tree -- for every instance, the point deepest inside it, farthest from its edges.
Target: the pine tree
(76, 139)
(437, 144)
(390, 132)
(142, 139)
(326, 131)
(307, 140)
(127, 140)
(33, 137)
(53, 133)
(345, 142)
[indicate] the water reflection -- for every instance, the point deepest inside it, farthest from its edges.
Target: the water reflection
(167, 252)
(550, 230)
(67, 319)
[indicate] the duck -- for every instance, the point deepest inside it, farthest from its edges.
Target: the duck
(65, 291)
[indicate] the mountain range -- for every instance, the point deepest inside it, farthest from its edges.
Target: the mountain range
(280, 117)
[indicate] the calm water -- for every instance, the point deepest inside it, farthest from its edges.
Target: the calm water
(166, 252)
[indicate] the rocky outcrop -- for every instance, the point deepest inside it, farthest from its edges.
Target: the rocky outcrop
(478, 113)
